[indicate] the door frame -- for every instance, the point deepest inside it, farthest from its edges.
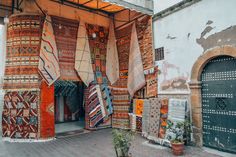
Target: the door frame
(195, 87)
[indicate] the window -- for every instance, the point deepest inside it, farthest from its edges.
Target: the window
(159, 54)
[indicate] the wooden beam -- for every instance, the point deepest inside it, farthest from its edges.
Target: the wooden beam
(130, 21)
(106, 6)
(85, 8)
(86, 2)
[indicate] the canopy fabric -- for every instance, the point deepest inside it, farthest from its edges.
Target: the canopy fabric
(99, 4)
(113, 6)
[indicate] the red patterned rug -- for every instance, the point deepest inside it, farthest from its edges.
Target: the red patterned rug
(123, 37)
(144, 30)
(23, 38)
(66, 36)
(20, 115)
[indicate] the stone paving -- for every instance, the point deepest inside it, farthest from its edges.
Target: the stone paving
(92, 144)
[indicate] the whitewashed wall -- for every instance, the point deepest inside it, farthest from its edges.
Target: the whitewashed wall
(2, 63)
(143, 3)
(160, 5)
(2, 51)
(178, 34)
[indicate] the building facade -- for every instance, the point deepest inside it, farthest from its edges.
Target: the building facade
(195, 47)
(52, 53)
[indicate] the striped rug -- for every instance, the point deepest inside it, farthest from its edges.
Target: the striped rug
(121, 106)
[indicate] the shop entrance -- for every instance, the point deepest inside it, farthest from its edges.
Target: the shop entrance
(69, 106)
(218, 104)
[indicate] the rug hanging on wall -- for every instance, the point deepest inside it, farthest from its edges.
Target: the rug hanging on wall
(23, 38)
(47, 122)
(136, 79)
(138, 123)
(144, 31)
(20, 118)
(112, 60)
(177, 109)
(146, 117)
(154, 117)
(123, 36)
(83, 62)
(65, 31)
(98, 106)
(48, 57)
(94, 107)
(163, 117)
(138, 107)
(98, 48)
(176, 112)
(20, 115)
(121, 106)
(107, 99)
(151, 80)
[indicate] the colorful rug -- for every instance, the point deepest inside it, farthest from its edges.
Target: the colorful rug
(146, 117)
(107, 98)
(154, 117)
(151, 80)
(121, 106)
(138, 124)
(136, 79)
(48, 58)
(100, 98)
(112, 60)
(163, 117)
(65, 31)
(20, 115)
(98, 106)
(98, 48)
(47, 122)
(123, 37)
(94, 107)
(144, 31)
(83, 62)
(138, 107)
(23, 45)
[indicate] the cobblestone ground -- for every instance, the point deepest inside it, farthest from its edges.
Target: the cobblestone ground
(93, 144)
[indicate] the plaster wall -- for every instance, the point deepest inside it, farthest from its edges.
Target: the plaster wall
(2, 63)
(143, 3)
(186, 35)
(160, 5)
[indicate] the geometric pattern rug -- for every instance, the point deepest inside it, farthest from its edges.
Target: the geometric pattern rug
(121, 106)
(20, 115)
(23, 45)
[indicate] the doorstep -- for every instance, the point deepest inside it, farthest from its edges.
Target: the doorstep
(217, 152)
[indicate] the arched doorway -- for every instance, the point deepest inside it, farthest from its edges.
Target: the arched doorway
(218, 81)
(196, 87)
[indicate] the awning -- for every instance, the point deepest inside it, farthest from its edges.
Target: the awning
(146, 8)
(114, 6)
(105, 6)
